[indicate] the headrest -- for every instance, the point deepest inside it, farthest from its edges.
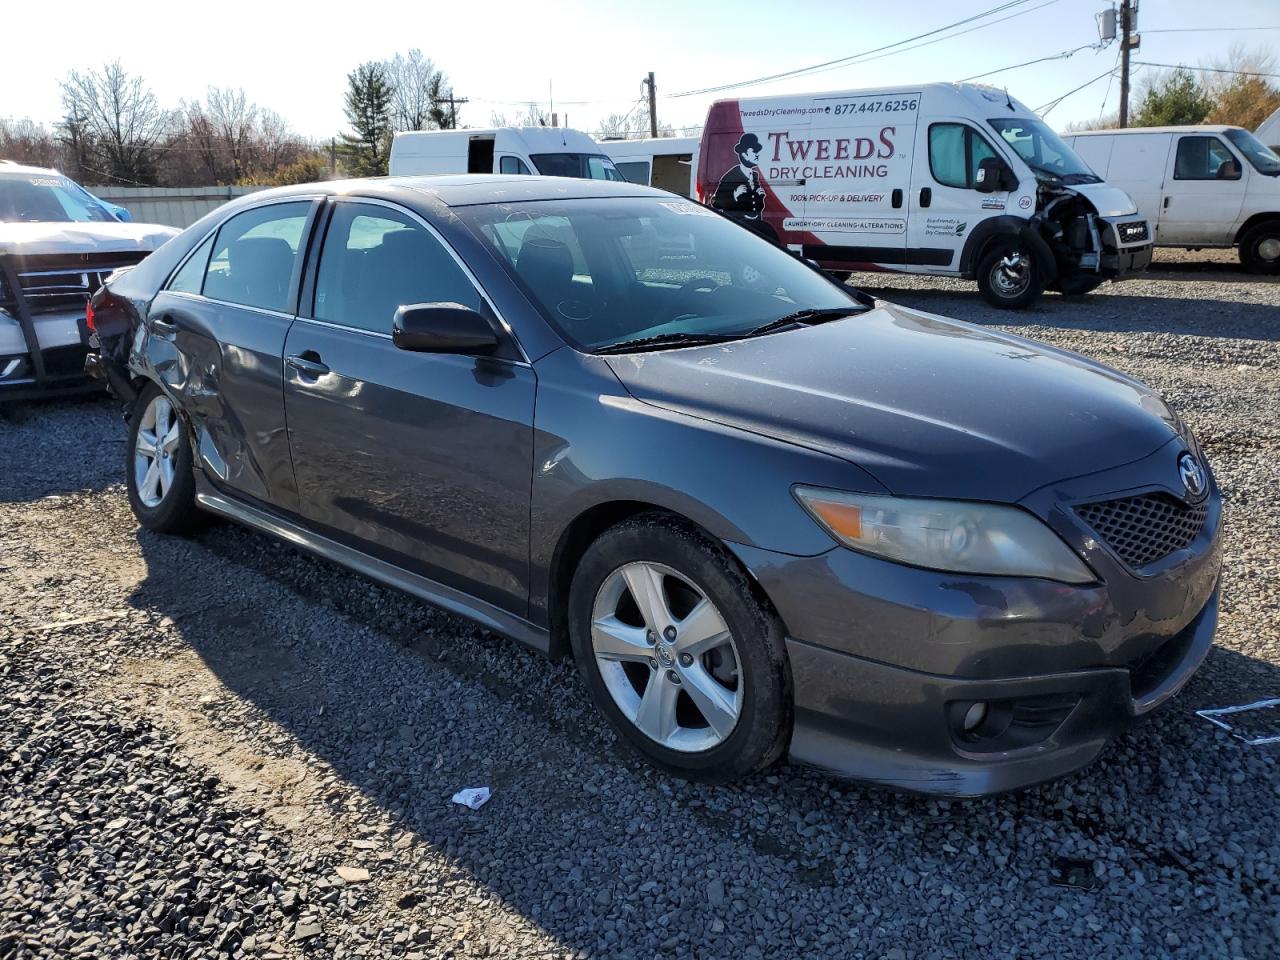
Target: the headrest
(545, 263)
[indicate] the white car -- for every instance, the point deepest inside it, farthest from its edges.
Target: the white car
(58, 244)
(1204, 186)
(938, 178)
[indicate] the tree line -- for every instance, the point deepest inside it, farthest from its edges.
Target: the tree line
(115, 131)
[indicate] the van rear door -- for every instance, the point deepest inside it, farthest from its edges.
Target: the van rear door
(945, 205)
(1204, 188)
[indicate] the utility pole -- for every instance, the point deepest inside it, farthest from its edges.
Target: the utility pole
(333, 157)
(454, 103)
(1128, 20)
(653, 104)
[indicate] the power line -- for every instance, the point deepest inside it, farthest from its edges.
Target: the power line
(1208, 29)
(1183, 66)
(1043, 110)
(842, 60)
(1056, 56)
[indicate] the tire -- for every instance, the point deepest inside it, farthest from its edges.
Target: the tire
(163, 501)
(727, 653)
(997, 281)
(1077, 286)
(1260, 248)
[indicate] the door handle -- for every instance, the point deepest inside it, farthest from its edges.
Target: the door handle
(1166, 203)
(926, 196)
(895, 198)
(163, 324)
(308, 366)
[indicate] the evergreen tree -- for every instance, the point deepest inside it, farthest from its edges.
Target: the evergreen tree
(1175, 99)
(368, 107)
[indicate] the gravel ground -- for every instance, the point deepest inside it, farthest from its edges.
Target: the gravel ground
(221, 747)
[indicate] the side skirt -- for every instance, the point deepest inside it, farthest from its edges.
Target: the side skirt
(455, 601)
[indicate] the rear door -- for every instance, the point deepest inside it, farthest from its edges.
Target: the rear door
(226, 312)
(1204, 190)
(423, 460)
(945, 205)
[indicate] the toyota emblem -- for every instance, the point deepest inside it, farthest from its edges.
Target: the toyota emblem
(1192, 475)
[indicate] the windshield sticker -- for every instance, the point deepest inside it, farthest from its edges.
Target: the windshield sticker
(687, 209)
(846, 224)
(45, 182)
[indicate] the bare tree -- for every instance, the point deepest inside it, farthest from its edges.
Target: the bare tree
(234, 121)
(531, 116)
(25, 141)
(113, 123)
(417, 89)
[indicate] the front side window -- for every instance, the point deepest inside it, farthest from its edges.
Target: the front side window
(254, 256)
(512, 165)
(606, 271)
(955, 150)
(1204, 158)
(376, 260)
(47, 197)
(1260, 156)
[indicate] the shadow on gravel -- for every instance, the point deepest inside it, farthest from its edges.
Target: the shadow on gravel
(60, 446)
(1105, 313)
(1177, 824)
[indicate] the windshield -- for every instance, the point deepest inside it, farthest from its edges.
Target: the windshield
(1261, 157)
(1043, 150)
(609, 270)
(47, 196)
(584, 166)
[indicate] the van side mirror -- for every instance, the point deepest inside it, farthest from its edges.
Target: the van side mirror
(442, 328)
(993, 175)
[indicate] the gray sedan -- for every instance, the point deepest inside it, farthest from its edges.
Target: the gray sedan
(764, 513)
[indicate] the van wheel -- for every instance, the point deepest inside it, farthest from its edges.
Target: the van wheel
(682, 656)
(1077, 286)
(1260, 248)
(162, 487)
(1008, 277)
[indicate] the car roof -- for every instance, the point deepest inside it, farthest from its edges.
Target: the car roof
(472, 189)
(1197, 128)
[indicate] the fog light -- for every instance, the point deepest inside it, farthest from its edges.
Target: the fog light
(974, 716)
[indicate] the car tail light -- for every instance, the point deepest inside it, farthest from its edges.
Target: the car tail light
(88, 315)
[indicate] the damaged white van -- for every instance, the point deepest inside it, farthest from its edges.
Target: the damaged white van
(944, 179)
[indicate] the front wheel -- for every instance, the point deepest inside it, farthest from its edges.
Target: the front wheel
(1260, 248)
(1009, 278)
(679, 653)
(162, 490)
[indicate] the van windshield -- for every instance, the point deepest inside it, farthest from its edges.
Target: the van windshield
(584, 166)
(624, 273)
(1043, 150)
(47, 197)
(1260, 156)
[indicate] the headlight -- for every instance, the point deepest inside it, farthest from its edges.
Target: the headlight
(946, 535)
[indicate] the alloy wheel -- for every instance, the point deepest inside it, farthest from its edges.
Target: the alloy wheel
(156, 451)
(667, 657)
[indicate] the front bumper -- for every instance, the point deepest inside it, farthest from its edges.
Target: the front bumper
(42, 354)
(1126, 250)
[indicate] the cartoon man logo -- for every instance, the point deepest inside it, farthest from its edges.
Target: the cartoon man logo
(740, 190)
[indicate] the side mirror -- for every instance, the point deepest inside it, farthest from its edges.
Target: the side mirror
(442, 328)
(993, 175)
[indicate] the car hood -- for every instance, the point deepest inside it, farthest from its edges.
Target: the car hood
(36, 239)
(1108, 200)
(930, 406)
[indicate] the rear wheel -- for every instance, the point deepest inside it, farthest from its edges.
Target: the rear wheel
(1077, 286)
(682, 657)
(162, 489)
(1008, 276)
(1260, 248)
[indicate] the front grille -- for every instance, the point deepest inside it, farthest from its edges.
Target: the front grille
(1141, 530)
(67, 283)
(1134, 232)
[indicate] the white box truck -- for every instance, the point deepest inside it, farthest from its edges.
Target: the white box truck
(550, 151)
(667, 163)
(945, 179)
(1204, 186)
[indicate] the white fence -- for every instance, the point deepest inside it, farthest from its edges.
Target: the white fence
(173, 206)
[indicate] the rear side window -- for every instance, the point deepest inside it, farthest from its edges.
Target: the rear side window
(190, 278)
(254, 256)
(376, 260)
(955, 150)
(1204, 158)
(636, 171)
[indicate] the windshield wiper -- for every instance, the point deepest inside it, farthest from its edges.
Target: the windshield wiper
(807, 317)
(665, 340)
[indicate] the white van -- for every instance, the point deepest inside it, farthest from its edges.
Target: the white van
(945, 179)
(1269, 132)
(550, 151)
(1205, 186)
(668, 163)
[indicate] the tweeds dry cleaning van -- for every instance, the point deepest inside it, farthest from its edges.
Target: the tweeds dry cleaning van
(945, 179)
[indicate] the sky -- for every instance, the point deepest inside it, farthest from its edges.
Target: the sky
(588, 57)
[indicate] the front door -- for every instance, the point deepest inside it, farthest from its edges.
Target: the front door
(423, 460)
(226, 312)
(1204, 189)
(945, 204)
